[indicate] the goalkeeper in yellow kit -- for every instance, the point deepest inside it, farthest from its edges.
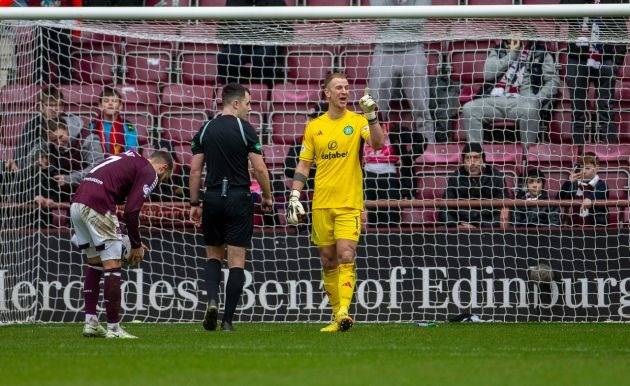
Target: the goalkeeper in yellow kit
(333, 142)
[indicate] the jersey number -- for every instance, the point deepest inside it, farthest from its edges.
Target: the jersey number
(111, 159)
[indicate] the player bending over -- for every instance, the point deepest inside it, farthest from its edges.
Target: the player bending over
(333, 142)
(127, 178)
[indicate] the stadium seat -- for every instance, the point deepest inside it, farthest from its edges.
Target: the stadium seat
(294, 97)
(12, 126)
(431, 186)
(545, 154)
(259, 93)
(147, 67)
(203, 31)
(19, 98)
(287, 127)
(184, 97)
(356, 66)
(467, 66)
(81, 97)
(358, 32)
(275, 155)
(561, 126)
(439, 158)
(505, 157)
(198, 67)
(303, 32)
(554, 178)
(308, 66)
(141, 98)
(94, 67)
(180, 127)
(96, 41)
(610, 155)
(623, 119)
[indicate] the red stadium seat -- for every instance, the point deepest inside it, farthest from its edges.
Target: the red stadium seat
(554, 178)
(147, 67)
(81, 97)
(275, 155)
(19, 98)
(308, 66)
(439, 158)
(358, 32)
(287, 127)
(185, 97)
(180, 127)
(505, 157)
(141, 98)
(431, 186)
(545, 154)
(294, 97)
(610, 154)
(12, 126)
(198, 67)
(203, 30)
(617, 181)
(467, 66)
(86, 40)
(138, 39)
(561, 126)
(94, 66)
(356, 66)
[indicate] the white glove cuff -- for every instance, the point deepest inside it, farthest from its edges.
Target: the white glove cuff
(371, 116)
(294, 194)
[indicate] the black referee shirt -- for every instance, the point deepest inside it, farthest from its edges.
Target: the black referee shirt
(226, 148)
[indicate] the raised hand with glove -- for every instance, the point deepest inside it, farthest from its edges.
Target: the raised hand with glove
(368, 105)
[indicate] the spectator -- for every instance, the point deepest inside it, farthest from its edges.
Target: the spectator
(475, 180)
(116, 135)
(535, 215)
(407, 62)
(47, 195)
(72, 158)
(408, 145)
(520, 79)
(50, 109)
(584, 184)
(250, 63)
(589, 60)
(382, 181)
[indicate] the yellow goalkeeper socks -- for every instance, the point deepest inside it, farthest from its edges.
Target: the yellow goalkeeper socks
(331, 284)
(347, 281)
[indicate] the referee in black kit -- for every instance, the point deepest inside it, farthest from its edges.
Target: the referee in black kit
(225, 144)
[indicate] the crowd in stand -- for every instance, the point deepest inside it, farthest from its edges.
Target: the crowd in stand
(521, 83)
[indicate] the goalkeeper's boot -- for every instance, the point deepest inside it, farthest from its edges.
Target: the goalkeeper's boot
(343, 320)
(332, 327)
(210, 320)
(227, 326)
(118, 333)
(94, 330)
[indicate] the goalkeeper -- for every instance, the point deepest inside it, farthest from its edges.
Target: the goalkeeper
(333, 142)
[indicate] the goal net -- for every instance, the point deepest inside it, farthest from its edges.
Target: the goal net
(531, 225)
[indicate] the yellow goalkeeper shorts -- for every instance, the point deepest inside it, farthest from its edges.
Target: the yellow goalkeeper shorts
(330, 225)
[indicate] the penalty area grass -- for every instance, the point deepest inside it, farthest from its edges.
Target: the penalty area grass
(298, 354)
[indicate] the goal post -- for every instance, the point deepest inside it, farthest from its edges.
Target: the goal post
(416, 260)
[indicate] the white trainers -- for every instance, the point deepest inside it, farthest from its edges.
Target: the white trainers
(94, 330)
(119, 333)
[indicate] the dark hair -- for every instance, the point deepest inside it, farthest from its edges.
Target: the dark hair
(589, 158)
(473, 147)
(51, 92)
(163, 156)
(535, 174)
(109, 91)
(232, 92)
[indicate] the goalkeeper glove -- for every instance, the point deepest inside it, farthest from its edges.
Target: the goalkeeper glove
(368, 105)
(295, 208)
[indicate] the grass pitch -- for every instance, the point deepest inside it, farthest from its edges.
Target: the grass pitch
(298, 354)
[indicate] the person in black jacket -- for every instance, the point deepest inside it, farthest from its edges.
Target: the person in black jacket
(589, 60)
(535, 215)
(474, 180)
(586, 185)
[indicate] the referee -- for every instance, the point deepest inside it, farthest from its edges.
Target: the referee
(226, 144)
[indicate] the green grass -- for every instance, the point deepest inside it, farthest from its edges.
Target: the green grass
(297, 354)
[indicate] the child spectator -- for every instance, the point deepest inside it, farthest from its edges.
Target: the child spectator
(584, 184)
(535, 215)
(116, 135)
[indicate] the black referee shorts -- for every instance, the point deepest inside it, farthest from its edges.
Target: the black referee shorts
(228, 220)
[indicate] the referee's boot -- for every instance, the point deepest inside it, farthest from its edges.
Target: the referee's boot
(212, 312)
(227, 326)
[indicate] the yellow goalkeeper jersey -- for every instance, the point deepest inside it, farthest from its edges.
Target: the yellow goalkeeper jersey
(334, 146)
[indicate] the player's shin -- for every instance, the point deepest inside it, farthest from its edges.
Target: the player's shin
(347, 282)
(112, 296)
(331, 284)
(235, 283)
(91, 289)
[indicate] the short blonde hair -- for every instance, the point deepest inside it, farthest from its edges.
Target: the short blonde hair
(590, 159)
(333, 75)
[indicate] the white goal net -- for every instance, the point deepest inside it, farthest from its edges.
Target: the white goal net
(502, 190)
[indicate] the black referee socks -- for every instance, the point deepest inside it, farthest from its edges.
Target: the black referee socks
(213, 279)
(235, 283)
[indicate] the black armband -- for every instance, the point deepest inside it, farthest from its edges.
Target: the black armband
(194, 204)
(373, 121)
(297, 176)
